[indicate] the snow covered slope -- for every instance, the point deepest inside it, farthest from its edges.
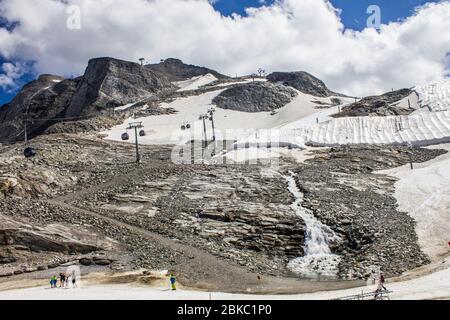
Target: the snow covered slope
(166, 129)
(196, 82)
(425, 194)
(418, 129)
(301, 122)
(428, 125)
(435, 96)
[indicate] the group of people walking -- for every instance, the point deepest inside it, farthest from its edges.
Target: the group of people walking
(63, 281)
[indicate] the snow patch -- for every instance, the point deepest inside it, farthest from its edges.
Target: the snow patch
(424, 194)
(195, 82)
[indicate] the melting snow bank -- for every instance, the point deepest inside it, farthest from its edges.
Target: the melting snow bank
(425, 194)
(318, 260)
(419, 129)
(195, 82)
(422, 128)
(428, 125)
(435, 96)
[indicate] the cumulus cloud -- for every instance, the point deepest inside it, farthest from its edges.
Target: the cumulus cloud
(285, 36)
(11, 75)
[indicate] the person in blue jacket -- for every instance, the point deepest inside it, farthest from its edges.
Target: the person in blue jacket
(173, 281)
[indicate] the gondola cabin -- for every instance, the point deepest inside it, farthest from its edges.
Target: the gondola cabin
(125, 136)
(29, 152)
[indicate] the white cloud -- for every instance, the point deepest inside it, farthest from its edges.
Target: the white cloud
(11, 74)
(288, 35)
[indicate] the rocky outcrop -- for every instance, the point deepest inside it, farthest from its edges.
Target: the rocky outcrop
(176, 70)
(303, 82)
(46, 98)
(340, 188)
(96, 124)
(383, 105)
(28, 248)
(19, 105)
(109, 83)
(255, 97)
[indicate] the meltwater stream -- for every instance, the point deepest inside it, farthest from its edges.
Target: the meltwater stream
(318, 260)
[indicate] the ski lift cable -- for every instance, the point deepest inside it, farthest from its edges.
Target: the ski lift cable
(57, 119)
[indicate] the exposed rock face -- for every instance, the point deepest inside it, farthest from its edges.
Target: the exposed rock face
(34, 182)
(383, 105)
(239, 214)
(109, 83)
(255, 97)
(176, 70)
(19, 104)
(340, 188)
(84, 126)
(28, 247)
(45, 98)
(302, 81)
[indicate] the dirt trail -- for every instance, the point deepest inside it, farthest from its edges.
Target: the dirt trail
(202, 270)
(217, 274)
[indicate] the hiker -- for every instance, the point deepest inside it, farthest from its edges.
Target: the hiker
(382, 282)
(381, 287)
(62, 279)
(53, 281)
(173, 281)
(67, 281)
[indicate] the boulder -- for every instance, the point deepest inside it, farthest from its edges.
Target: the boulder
(303, 82)
(102, 262)
(382, 105)
(255, 97)
(86, 261)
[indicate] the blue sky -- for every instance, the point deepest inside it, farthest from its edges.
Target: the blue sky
(353, 16)
(353, 11)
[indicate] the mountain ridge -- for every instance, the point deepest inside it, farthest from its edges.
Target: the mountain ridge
(108, 83)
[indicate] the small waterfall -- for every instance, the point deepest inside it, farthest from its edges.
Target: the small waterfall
(318, 260)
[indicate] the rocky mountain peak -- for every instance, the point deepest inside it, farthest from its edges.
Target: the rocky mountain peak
(49, 77)
(177, 70)
(106, 83)
(109, 82)
(172, 61)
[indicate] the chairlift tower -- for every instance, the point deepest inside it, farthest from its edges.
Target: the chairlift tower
(211, 114)
(204, 117)
(142, 61)
(136, 126)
